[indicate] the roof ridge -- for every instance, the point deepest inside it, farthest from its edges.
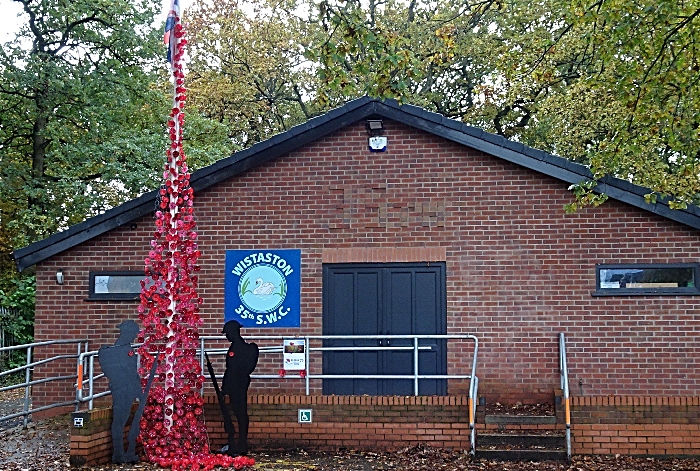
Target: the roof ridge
(337, 118)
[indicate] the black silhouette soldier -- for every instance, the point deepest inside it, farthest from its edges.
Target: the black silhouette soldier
(241, 360)
(119, 364)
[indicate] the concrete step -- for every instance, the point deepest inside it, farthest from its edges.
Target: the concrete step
(522, 441)
(506, 419)
(530, 438)
(521, 455)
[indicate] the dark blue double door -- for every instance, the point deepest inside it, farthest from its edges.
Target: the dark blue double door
(381, 300)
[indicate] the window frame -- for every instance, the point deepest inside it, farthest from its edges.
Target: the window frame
(656, 291)
(113, 296)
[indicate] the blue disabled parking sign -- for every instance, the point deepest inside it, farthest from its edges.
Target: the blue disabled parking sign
(305, 416)
(262, 287)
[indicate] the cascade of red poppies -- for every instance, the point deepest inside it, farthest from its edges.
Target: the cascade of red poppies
(173, 432)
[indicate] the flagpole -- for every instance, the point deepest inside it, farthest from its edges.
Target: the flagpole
(175, 434)
(175, 156)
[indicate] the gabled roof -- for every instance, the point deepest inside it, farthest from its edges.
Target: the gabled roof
(314, 129)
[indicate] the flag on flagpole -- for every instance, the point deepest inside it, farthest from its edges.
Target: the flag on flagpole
(169, 37)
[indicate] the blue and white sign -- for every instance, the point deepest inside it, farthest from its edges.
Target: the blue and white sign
(262, 287)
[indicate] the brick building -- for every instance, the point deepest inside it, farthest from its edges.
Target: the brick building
(448, 230)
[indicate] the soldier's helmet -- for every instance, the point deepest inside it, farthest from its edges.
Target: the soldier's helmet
(232, 327)
(129, 327)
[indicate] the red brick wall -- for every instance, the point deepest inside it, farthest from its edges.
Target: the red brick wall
(519, 270)
(640, 425)
(91, 444)
(631, 425)
(360, 422)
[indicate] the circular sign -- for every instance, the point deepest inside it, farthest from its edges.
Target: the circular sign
(262, 288)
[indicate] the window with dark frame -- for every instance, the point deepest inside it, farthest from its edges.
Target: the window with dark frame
(115, 284)
(647, 279)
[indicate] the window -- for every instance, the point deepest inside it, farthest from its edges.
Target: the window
(645, 279)
(116, 284)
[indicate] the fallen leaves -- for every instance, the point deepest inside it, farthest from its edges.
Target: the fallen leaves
(45, 447)
(519, 408)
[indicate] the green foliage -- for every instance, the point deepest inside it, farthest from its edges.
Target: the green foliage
(584, 196)
(630, 106)
(84, 100)
(612, 84)
(77, 99)
(205, 140)
(365, 54)
(85, 97)
(246, 70)
(17, 317)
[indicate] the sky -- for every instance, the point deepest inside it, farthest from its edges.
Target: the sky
(9, 22)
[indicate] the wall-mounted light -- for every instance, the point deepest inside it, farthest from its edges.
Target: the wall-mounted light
(59, 276)
(375, 127)
(377, 142)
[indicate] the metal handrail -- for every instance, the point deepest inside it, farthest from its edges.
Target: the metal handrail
(86, 363)
(564, 380)
(28, 367)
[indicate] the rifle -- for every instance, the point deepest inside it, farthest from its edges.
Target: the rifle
(228, 424)
(149, 382)
(144, 393)
(135, 428)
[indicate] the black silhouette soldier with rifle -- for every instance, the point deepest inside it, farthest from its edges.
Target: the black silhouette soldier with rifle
(241, 360)
(119, 364)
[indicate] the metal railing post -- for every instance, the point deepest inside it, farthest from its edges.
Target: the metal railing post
(91, 382)
(79, 378)
(201, 362)
(564, 378)
(27, 388)
(415, 366)
(473, 393)
(307, 343)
